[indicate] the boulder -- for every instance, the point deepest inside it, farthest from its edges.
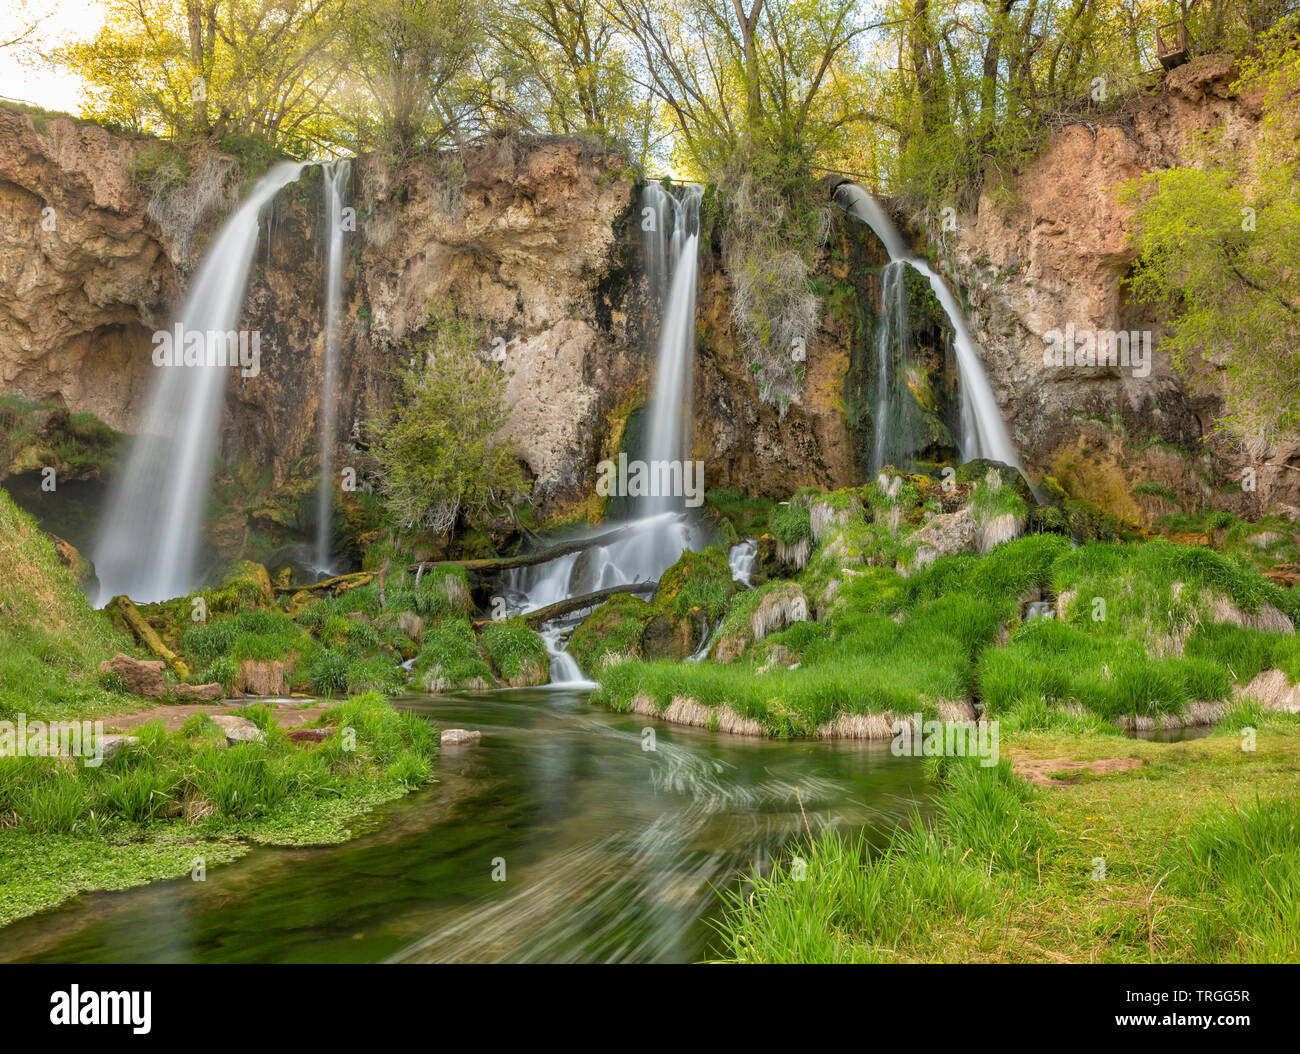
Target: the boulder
(113, 743)
(239, 729)
(944, 535)
(460, 737)
(200, 693)
(142, 677)
(666, 637)
(249, 571)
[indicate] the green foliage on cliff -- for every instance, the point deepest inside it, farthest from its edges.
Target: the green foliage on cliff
(438, 452)
(1218, 252)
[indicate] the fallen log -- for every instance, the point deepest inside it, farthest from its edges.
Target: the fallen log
(148, 636)
(541, 556)
(339, 583)
(572, 604)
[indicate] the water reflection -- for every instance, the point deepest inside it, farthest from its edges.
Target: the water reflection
(611, 852)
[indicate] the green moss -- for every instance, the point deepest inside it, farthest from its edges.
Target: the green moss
(697, 581)
(518, 654)
(612, 630)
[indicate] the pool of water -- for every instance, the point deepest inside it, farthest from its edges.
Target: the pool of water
(559, 837)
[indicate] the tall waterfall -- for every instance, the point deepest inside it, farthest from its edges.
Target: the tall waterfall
(336, 175)
(148, 543)
(674, 368)
(652, 543)
(983, 432)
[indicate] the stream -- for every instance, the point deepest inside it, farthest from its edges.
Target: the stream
(611, 852)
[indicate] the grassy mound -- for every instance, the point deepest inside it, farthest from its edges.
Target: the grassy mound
(51, 641)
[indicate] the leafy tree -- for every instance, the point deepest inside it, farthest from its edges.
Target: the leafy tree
(1218, 250)
(571, 68)
(215, 69)
(439, 451)
(414, 63)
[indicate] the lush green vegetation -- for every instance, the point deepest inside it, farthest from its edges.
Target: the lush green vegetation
(51, 642)
(1138, 630)
(1190, 856)
(1218, 252)
(172, 797)
(439, 455)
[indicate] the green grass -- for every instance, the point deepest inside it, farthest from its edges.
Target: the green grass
(518, 654)
(450, 658)
(51, 641)
(259, 634)
(1194, 856)
(855, 904)
(748, 515)
(790, 523)
(63, 824)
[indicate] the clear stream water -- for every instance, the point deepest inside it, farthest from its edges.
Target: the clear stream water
(612, 853)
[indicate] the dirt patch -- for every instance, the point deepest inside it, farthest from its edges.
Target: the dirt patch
(1062, 772)
(288, 714)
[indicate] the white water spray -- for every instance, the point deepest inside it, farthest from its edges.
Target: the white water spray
(983, 431)
(336, 177)
(148, 543)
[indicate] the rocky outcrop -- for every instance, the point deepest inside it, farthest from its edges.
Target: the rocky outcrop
(1049, 250)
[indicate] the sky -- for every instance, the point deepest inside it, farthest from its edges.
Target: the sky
(23, 76)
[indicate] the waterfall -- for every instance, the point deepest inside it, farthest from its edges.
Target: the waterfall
(983, 432)
(742, 557)
(674, 368)
(663, 531)
(336, 177)
(148, 543)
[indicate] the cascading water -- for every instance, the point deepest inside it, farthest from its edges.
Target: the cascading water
(742, 557)
(148, 544)
(336, 175)
(653, 542)
(983, 432)
(669, 408)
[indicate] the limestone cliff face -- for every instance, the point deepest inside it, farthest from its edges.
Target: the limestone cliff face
(1057, 255)
(83, 278)
(537, 238)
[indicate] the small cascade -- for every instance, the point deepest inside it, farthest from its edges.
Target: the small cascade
(336, 175)
(983, 432)
(149, 540)
(742, 557)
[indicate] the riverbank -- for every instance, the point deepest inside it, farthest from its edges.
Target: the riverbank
(184, 786)
(1133, 851)
(170, 803)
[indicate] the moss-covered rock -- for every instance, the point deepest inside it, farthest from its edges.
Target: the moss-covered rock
(518, 654)
(611, 633)
(450, 659)
(696, 581)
